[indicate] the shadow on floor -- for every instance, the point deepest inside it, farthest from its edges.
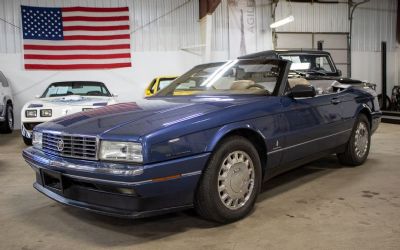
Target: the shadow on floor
(126, 232)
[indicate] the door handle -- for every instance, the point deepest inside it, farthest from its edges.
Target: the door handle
(335, 101)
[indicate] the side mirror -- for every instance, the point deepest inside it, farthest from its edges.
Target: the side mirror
(114, 95)
(37, 96)
(339, 72)
(302, 91)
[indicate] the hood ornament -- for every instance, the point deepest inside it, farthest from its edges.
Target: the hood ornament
(60, 145)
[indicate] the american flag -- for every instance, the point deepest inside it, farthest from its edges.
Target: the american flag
(76, 38)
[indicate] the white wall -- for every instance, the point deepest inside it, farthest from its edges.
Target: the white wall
(128, 83)
(373, 23)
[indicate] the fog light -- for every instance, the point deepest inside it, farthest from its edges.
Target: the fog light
(127, 191)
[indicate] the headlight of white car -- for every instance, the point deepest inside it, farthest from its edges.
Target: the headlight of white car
(37, 139)
(30, 113)
(45, 113)
(121, 151)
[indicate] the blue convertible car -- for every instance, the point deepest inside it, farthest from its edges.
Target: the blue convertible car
(208, 141)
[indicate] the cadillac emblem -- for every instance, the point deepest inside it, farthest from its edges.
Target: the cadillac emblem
(60, 145)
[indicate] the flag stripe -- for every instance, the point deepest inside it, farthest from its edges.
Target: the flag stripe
(94, 9)
(86, 23)
(77, 52)
(96, 28)
(78, 42)
(77, 61)
(95, 19)
(94, 33)
(77, 56)
(95, 14)
(78, 47)
(78, 66)
(66, 38)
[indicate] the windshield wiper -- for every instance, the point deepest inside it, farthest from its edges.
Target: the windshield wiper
(316, 71)
(298, 72)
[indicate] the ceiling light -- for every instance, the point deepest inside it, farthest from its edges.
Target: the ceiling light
(282, 22)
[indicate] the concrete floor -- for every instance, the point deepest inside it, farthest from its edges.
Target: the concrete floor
(319, 206)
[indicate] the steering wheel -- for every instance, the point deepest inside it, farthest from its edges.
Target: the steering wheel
(255, 85)
(258, 86)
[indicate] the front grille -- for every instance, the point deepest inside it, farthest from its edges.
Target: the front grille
(70, 146)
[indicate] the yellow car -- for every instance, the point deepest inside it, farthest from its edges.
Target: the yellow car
(158, 83)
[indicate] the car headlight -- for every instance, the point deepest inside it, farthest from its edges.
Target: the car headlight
(121, 151)
(37, 139)
(45, 113)
(30, 113)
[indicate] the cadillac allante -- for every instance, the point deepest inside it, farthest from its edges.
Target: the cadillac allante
(208, 140)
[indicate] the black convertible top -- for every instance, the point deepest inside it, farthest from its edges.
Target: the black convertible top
(278, 53)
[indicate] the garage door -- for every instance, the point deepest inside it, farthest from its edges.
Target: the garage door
(334, 43)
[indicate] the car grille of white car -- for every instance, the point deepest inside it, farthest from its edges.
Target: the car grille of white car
(73, 146)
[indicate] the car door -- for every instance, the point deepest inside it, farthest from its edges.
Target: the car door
(311, 125)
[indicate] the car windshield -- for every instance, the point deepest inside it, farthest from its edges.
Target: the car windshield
(310, 63)
(226, 78)
(164, 82)
(76, 88)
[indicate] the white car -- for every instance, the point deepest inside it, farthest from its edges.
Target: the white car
(6, 106)
(63, 98)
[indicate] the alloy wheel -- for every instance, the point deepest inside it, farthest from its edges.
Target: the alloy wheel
(236, 180)
(361, 139)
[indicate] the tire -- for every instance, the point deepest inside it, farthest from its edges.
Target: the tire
(8, 124)
(360, 136)
(27, 141)
(244, 180)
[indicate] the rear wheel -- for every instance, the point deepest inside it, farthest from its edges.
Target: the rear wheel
(357, 148)
(230, 183)
(387, 100)
(8, 124)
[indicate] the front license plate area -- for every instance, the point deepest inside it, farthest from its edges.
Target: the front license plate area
(52, 180)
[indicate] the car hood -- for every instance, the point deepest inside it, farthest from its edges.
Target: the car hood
(72, 100)
(136, 119)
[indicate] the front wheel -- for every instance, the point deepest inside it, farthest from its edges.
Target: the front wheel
(27, 141)
(357, 148)
(230, 183)
(8, 124)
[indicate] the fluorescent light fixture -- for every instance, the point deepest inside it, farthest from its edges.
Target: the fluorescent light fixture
(282, 22)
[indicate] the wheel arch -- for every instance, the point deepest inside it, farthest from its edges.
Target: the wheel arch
(10, 102)
(364, 109)
(247, 131)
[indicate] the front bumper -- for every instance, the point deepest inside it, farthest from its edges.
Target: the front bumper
(27, 132)
(159, 188)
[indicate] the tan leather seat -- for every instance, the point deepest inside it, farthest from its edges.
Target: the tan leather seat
(297, 81)
(241, 84)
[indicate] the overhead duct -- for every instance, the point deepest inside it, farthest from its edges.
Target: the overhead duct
(207, 7)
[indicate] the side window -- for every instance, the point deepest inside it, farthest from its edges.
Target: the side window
(187, 85)
(322, 63)
(164, 83)
(3, 80)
